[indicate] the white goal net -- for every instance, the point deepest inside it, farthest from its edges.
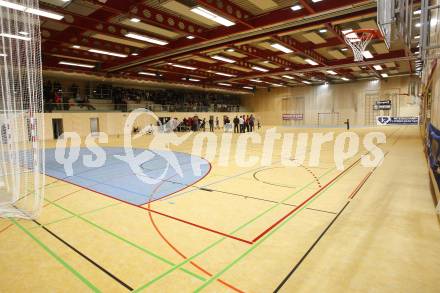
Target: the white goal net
(21, 110)
(330, 119)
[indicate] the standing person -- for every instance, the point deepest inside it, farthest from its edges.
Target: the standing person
(211, 124)
(217, 123)
(246, 123)
(241, 122)
(259, 124)
(203, 124)
(236, 123)
(251, 122)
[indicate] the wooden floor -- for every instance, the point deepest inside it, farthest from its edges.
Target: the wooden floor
(303, 229)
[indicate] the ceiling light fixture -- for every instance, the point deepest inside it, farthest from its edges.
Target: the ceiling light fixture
(248, 87)
(230, 50)
(367, 54)
(212, 16)
(224, 84)
(259, 68)
(182, 66)
(332, 72)
(134, 19)
(224, 74)
(221, 58)
(322, 31)
(306, 82)
(76, 64)
(311, 62)
(134, 54)
(14, 37)
(76, 47)
(385, 75)
(296, 7)
(147, 73)
(378, 67)
(288, 77)
(281, 48)
(344, 78)
(23, 33)
(44, 13)
(107, 53)
(190, 37)
(146, 39)
(256, 80)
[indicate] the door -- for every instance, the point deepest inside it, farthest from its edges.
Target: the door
(57, 126)
(94, 126)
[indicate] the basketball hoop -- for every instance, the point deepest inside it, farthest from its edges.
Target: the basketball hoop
(358, 40)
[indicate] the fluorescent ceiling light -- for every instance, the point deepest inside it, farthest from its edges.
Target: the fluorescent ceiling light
(367, 54)
(311, 62)
(147, 73)
(134, 54)
(224, 59)
(230, 50)
(44, 13)
(248, 87)
(190, 37)
(353, 36)
(260, 68)
(417, 12)
(224, 74)
(225, 84)
(281, 48)
(315, 1)
(183, 66)
(134, 19)
(377, 67)
(212, 16)
(14, 37)
(256, 80)
(23, 33)
(193, 79)
(344, 78)
(322, 30)
(76, 46)
(344, 49)
(275, 84)
(107, 53)
(31, 10)
(12, 5)
(306, 82)
(384, 75)
(332, 72)
(146, 39)
(76, 64)
(296, 7)
(288, 77)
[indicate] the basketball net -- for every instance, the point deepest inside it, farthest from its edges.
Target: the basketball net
(358, 40)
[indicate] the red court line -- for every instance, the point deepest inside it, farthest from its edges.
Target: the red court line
(356, 190)
(179, 252)
(303, 203)
(162, 214)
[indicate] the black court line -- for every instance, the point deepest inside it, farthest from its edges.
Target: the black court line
(85, 257)
(270, 183)
(310, 249)
(263, 199)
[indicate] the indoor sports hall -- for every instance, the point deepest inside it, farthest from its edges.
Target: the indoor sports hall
(219, 146)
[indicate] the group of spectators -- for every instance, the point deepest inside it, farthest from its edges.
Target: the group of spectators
(171, 100)
(245, 123)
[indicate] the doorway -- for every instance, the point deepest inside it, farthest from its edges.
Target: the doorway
(57, 126)
(94, 126)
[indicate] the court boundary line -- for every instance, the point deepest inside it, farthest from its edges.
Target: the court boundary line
(101, 268)
(115, 235)
(350, 198)
(56, 257)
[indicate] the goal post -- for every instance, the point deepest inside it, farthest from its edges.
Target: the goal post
(21, 111)
(329, 119)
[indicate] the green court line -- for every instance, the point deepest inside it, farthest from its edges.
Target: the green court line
(232, 233)
(126, 241)
(58, 258)
(81, 214)
(253, 247)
